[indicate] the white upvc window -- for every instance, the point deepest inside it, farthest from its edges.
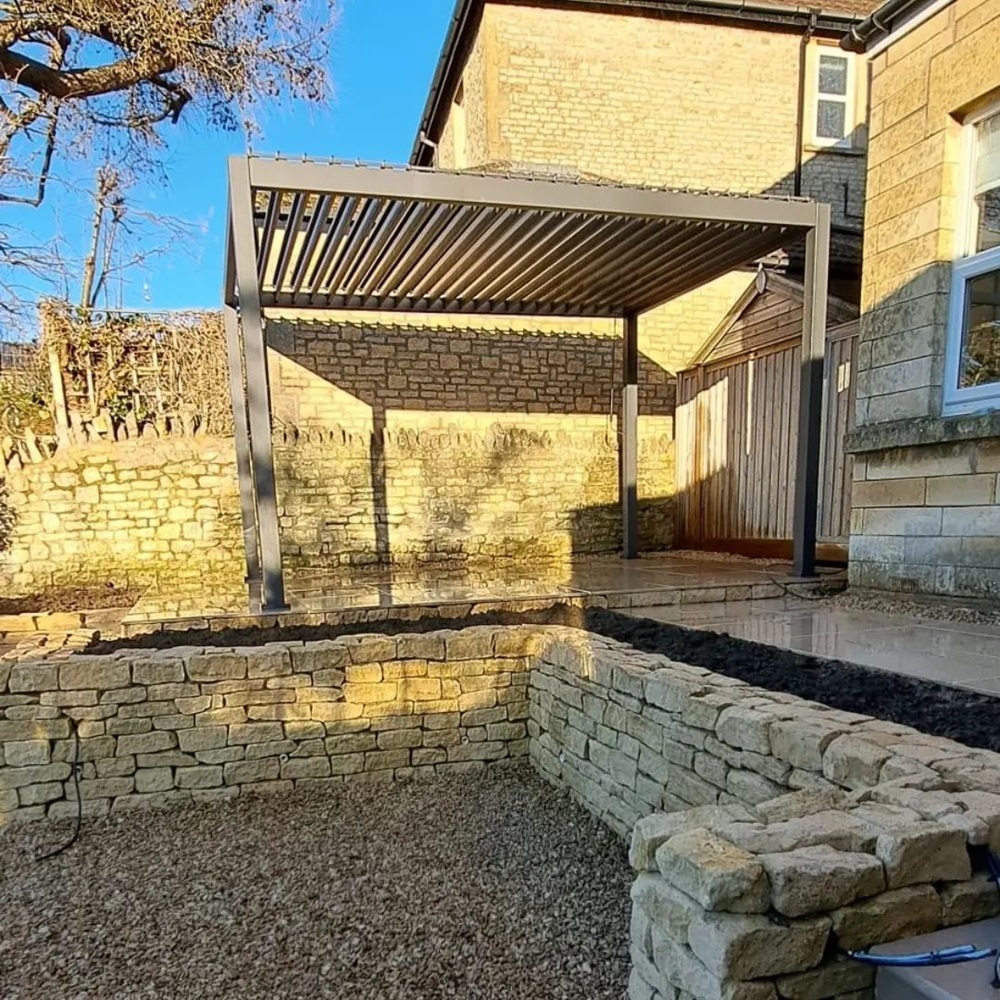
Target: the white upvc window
(972, 355)
(835, 88)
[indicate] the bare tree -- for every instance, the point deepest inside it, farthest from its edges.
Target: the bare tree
(73, 70)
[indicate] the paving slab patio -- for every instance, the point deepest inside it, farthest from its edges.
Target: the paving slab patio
(952, 652)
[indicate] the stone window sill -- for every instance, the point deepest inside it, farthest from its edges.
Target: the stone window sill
(923, 431)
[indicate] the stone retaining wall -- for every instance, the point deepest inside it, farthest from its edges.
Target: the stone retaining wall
(790, 832)
(192, 723)
(771, 835)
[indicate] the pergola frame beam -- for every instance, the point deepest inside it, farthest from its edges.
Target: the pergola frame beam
(464, 244)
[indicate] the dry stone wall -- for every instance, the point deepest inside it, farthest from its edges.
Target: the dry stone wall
(191, 723)
(770, 834)
(135, 513)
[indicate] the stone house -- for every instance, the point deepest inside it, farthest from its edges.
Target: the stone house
(926, 505)
(708, 95)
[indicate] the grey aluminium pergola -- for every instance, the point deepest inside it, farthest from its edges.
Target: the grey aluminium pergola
(331, 236)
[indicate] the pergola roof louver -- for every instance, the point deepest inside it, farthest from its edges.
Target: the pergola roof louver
(311, 235)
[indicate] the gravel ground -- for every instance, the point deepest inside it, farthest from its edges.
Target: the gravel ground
(490, 885)
(967, 610)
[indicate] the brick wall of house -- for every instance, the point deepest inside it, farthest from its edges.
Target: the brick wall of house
(925, 507)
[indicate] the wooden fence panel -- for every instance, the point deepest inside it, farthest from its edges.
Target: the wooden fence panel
(736, 446)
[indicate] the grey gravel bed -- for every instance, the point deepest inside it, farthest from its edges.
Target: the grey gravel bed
(490, 885)
(968, 611)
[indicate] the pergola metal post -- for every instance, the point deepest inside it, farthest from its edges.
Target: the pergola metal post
(630, 437)
(817, 267)
(258, 390)
(244, 465)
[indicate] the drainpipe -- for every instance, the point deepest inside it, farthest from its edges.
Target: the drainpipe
(800, 124)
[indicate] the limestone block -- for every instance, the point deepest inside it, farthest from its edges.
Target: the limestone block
(93, 672)
(719, 875)
(198, 777)
(852, 762)
(217, 667)
(681, 968)
(352, 743)
(837, 829)
(750, 787)
(33, 677)
(33, 729)
(745, 729)
(157, 671)
(923, 852)
(666, 690)
(819, 879)
(986, 806)
(347, 764)
(469, 644)
(967, 902)
(398, 739)
(430, 646)
(366, 673)
(833, 979)
(203, 738)
(653, 830)
(668, 909)
(892, 915)
(802, 744)
(703, 711)
(26, 753)
(368, 694)
(36, 795)
(796, 805)
(751, 946)
(146, 743)
(154, 779)
(276, 662)
(305, 767)
(245, 771)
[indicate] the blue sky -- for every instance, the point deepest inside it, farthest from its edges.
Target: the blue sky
(384, 54)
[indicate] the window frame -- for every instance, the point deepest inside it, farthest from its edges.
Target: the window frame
(967, 265)
(849, 99)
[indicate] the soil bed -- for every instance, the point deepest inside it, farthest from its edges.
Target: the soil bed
(71, 599)
(936, 709)
(487, 886)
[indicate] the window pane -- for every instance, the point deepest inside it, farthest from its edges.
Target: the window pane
(831, 119)
(981, 331)
(988, 213)
(833, 75)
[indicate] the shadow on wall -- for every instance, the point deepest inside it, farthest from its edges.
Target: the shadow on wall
(479, 444)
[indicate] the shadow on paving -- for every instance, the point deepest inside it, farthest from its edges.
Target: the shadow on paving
(486, 886)
(936, 709)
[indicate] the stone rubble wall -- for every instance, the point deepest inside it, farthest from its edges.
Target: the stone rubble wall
(189, 723)
(481, 491)
(770, 834)
(159, 511)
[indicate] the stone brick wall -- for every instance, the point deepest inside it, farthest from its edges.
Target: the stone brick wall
(190, 723)
(928, 519)
(136, 513)
(923, 512)
(427, 443)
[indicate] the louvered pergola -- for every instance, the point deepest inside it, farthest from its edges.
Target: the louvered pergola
(331, 236)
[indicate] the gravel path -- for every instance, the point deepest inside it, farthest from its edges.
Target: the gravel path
(490, 885)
